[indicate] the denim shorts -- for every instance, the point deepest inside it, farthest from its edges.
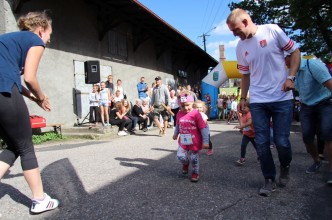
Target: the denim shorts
(103, 103)
(316, 119)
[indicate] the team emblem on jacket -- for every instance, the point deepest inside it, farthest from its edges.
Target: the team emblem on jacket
(263, 43)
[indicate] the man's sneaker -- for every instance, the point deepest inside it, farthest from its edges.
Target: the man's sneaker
(268, 188)
(209, 152)
(39, 206)
(284, 176)
(329, 178)
(194, 177)
(122, 133)
(185, 169)
(240, 162)
(315, 167)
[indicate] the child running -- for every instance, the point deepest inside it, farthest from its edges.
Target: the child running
(247, 129)
(193, 133)
(200, 106)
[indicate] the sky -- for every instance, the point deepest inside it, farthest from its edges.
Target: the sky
(194, 17)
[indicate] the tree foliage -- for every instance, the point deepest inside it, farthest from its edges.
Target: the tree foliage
(309, 23)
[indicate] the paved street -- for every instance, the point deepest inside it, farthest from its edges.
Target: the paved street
(138, 177)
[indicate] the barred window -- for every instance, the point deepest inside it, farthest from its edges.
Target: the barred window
(117, 44)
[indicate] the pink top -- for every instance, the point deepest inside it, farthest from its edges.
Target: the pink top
(191, 123)
(249, 130)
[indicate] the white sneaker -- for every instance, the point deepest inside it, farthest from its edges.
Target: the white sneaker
(39, 206)
(122, 133)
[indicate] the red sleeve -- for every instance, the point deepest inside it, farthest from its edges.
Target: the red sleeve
(199, 121)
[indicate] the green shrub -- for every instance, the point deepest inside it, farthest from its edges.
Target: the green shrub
(47, 136)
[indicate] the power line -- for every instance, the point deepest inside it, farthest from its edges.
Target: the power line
(220, 3)
(204, 37)
(207, 6)
(207, 22)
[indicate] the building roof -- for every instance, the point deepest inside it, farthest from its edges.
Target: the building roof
(147, 24)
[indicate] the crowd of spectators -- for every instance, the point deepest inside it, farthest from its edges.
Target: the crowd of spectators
(109, 106)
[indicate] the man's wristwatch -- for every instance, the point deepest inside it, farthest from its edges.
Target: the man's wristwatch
(291, 78)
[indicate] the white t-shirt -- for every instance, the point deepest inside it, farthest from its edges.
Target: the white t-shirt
(103, 95)
(204, 116)
(173, 102)
(234, 105)
(93, 98)
(263, 57)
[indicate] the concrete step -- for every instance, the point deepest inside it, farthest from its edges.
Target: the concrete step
(86, 132)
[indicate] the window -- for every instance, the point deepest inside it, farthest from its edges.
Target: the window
(117, 45)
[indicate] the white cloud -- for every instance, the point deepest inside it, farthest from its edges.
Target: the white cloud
(222, 29)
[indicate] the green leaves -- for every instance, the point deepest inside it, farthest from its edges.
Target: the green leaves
(309, 23)
(47, 136)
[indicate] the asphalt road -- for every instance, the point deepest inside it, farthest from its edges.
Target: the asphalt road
(138, 177)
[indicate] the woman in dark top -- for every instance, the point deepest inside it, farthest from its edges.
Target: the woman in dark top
(20, 54)
(137, 112)
(116, 118)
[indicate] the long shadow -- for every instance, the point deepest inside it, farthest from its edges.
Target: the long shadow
(159, 190)
(14, 194)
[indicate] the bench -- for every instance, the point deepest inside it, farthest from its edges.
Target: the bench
(57, 128)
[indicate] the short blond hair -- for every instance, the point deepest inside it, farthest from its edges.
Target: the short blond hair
(237, 15)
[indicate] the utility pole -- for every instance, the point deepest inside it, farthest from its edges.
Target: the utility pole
(206, 35)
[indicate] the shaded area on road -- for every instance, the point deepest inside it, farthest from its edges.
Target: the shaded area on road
(158, 190)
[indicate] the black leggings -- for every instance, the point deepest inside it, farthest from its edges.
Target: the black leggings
(94, 112)
(15, 130)
(122, 123)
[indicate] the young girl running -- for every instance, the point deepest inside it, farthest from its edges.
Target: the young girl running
(200, 106)
(193, 133)
(247, 129)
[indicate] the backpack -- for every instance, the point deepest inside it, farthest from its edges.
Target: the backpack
(328, 69)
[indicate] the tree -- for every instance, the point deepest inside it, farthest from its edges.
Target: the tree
(309, 23)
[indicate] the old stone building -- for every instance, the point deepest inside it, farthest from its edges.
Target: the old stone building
(127, 39)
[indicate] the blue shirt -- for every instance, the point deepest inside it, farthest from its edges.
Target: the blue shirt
(141, 88)
(310, 83)
(13, 51)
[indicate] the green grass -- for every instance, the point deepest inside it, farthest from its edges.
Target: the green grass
(46, 136)
(39, 138)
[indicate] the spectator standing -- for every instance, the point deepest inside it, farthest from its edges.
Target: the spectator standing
(233, 111)
(160, 95)
(173, 102)
(109, 84)
(94, 108)
(220, 105)
(208, 104)
(316, 109)
(260, 56)
(142, 89)
(119, 87)
(192, 93)
(197, 91)
(104, 98)
(20, 54)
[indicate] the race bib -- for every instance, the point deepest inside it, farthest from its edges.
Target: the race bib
(186, 139)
